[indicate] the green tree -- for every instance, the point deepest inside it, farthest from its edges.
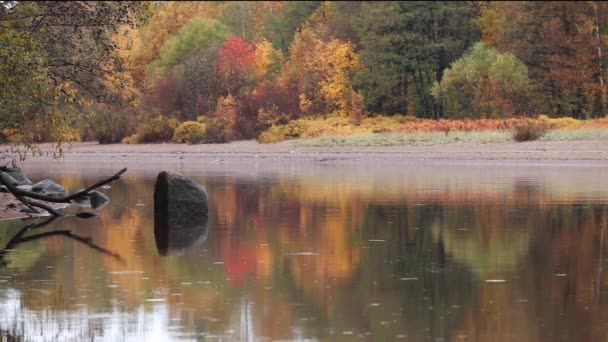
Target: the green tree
(190, 59)
(484, 84)
(281, 25)
(406, 46)
(196, 35)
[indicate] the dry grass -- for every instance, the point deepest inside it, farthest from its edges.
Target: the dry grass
(398, 130)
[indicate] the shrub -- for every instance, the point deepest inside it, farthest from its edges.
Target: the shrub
(158, 129)
(226, 122)
(529, 129)
(292, 130)
(190, 132)
(108, 126)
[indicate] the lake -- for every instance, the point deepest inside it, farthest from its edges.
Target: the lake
(313, 251)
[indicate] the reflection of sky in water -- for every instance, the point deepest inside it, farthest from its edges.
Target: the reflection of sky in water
(151, 322)
(327, 253)
(143, 324)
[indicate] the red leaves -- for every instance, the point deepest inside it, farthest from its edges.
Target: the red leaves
(236, 60)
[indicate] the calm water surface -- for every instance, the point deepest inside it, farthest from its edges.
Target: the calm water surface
(313, 252)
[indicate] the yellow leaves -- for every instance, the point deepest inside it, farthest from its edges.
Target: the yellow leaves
(335, 60)
(305, 103)
(324, 66)
(266, 57)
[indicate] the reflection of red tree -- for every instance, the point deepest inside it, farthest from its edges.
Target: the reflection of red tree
(239, 263)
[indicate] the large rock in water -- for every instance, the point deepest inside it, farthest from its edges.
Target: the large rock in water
(180, 213)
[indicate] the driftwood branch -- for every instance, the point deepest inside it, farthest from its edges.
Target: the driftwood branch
(24, 196)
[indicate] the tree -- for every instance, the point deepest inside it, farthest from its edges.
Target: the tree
(54, 53)
(161, 22)
(484, 84)
(190, 58)
(558, 41)
(321, 70)
(405, 46)
(236, 64)
(283, 22)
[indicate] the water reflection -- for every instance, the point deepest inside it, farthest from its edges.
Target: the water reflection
(176, 235)
(325, 257)
(23, 236)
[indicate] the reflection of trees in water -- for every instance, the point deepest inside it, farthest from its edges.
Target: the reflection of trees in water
(550, 257)
(300, 251)
(31, 232)
(488, 233)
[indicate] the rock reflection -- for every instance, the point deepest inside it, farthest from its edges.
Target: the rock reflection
(177, 234)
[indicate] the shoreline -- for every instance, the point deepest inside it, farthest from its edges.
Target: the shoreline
(245, 156)
(559, 152)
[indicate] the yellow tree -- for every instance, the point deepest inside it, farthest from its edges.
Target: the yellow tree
(334, 60)
(321, 69)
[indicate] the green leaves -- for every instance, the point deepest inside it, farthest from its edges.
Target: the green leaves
(483, 84)
(406, 46)
(196, 35)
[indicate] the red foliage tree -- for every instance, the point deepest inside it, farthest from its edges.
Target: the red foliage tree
(236, 62)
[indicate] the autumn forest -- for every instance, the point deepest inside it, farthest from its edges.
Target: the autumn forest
(196, 72)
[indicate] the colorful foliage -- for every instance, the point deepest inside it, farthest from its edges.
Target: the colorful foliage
(484, 84)
(236, 63)
(307, 128)
(153, 130)
(190, 132)
(247, 66)
(560, 43)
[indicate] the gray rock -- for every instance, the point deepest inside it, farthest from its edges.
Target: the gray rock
(49, 188)
(180, 213)
(94, 199)
(17, 175)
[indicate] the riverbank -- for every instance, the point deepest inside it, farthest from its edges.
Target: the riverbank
(588, 151)
(249, 156)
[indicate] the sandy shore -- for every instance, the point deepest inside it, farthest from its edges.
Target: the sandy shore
(243, 154)
(535, 151)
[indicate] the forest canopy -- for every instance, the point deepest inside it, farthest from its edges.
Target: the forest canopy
(137, 71)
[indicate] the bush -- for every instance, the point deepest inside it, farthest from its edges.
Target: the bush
(529, 129)
(190, 132)
(292, 130)
(108, 126)
(159, 129)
